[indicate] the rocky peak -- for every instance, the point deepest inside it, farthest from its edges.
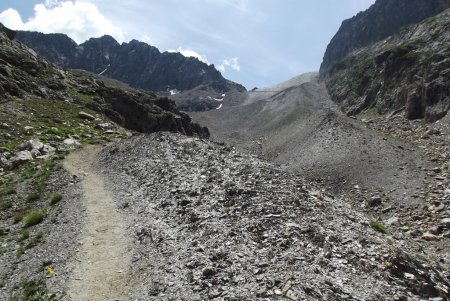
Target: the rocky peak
(135, 63)
(381, 20)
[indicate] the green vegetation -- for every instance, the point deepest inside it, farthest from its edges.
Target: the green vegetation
(379, 227)
(4, 205)
(32, 197)
(34, 241)
(55, 198)
(83, 98)
(372, 112)
(7, 190)
(20, 251)
(33, 218)
(24, 235)
(34, 290)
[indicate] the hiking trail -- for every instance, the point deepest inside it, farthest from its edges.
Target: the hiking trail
(103, 262)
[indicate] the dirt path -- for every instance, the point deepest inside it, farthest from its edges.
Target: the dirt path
(103, 263)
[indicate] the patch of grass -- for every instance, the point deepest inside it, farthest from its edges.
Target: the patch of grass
(379, 227)
(34, 241)
(33, 218)
(24, 235)
(83, 98)
(40, 179)
(8, 190)
(18, 216)
(20, 251)
(5, 205)
(32, 197)
(55, 198)
(34, 290)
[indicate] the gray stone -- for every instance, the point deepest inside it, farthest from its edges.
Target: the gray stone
(35, 153)
(393, 220)
(445, 223)
(104, 126)
(86, 116)
(68, 144)
(47, 149)
(374, 201)
(31, 144)
(430, 237)
(20, 158)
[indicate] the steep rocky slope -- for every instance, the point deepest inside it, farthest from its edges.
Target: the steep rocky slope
(407, 71)
(24, 75)
(390, 168)
(135, 63)
(381, 20)
(208, 222)
(300, 128)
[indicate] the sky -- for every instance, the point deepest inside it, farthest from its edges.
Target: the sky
(257, 43)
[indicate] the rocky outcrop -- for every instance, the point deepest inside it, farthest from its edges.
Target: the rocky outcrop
(135, 63)
(407, 71)
(381, 20)
(25, 75)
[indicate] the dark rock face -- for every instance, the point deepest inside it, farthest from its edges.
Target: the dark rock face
(407, 71)
(381, 20)
(26, 75)
(135, 63)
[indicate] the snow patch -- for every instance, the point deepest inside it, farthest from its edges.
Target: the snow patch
(220, 106)
(174, 91)
(104, 70)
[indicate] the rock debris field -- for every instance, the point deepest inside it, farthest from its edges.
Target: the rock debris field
(208, 223)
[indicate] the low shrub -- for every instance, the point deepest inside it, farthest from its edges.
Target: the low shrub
(55, 198)
(379, 227)
(33, 218)
(32, 197)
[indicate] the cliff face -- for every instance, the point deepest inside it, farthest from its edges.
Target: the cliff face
(408, 70)
(135, 63)
(25, 75)
(381, 20)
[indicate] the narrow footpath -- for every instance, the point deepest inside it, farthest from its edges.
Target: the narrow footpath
(103, 262)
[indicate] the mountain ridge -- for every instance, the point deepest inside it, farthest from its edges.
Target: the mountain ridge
(381, 20)
(135, 63)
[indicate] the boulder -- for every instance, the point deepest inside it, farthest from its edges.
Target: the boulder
(20, 158)
(445, 223)
(31, 144)
(104, 126)
(430, 237)
(47, 149)
(85, 116)
(374, 201)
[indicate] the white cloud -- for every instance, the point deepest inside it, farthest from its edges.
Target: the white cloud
(80, 20)
(190, 53)
(11, 18)
(233, 63)
(51, 3)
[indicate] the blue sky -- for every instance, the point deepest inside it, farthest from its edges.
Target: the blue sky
(257, 43)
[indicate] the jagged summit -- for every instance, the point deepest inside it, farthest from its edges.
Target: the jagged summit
(135, 63)
(381, 20)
